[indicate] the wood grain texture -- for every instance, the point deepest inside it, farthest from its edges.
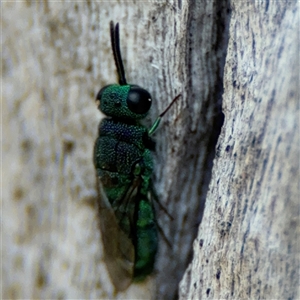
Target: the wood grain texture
(248, 242)
(56, 56)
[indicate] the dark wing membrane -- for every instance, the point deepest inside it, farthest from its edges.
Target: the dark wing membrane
(118, 247)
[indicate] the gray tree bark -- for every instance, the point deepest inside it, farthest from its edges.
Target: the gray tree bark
(248, 242)
(56, 56)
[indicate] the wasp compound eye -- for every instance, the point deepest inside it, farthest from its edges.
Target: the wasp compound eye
(138, 100)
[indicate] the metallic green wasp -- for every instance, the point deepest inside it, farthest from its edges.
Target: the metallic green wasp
(123, 162)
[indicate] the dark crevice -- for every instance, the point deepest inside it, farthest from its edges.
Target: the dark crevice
(211, 106)
(203, 117)
(213, 103)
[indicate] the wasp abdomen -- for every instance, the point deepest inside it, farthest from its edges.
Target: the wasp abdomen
(145, 240)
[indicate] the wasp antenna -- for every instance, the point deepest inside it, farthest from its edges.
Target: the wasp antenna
(173, 101)
(115, 45)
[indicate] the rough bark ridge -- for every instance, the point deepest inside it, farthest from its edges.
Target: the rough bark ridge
(248, 241)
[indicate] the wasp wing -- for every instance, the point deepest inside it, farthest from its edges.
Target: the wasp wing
(118, 248)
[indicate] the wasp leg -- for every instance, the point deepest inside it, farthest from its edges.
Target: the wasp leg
(155, 197)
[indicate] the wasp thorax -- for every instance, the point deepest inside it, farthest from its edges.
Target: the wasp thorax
(124, 101)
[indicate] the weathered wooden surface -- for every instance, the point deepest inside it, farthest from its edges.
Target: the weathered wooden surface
(56, 56)
(248, 242)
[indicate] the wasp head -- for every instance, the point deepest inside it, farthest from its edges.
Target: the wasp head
(124, 101)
